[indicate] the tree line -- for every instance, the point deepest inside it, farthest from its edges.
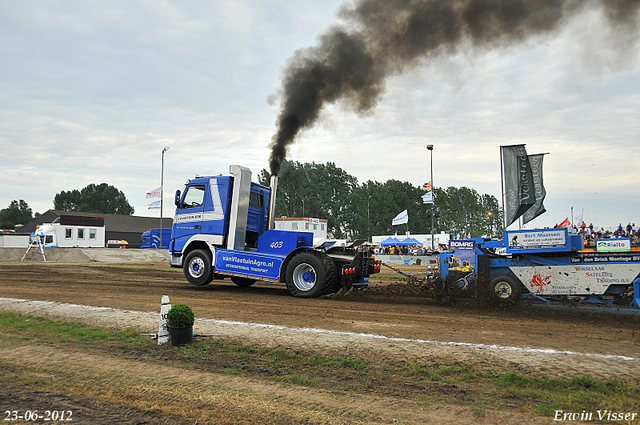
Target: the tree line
(358, 211)
(353, 210)
(100, 199)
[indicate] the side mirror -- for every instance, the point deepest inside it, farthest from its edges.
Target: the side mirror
(177, 198)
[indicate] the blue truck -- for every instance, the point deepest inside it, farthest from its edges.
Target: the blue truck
(151, 239)
(224, 227)
(545, 264)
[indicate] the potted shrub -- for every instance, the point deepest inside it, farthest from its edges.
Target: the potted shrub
(180, 320)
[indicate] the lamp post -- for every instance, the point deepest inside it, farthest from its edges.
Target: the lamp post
(490, 214)
(368, 219)
(430, 148)
(166, 148)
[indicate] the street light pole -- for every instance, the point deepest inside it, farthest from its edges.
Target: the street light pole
(430, 148)
(368, 219)
(166, 148)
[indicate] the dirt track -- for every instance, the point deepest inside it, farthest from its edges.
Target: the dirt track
(531, 340)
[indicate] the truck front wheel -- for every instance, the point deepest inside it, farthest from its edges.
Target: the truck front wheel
(198, 268)
(504, 289)
(311, 274)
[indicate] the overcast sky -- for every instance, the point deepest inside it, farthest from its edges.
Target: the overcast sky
(91, 92)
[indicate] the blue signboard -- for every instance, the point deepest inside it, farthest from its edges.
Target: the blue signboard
(248, 263)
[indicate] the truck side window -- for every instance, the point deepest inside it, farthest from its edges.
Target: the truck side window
(194, 197)
(255, 199)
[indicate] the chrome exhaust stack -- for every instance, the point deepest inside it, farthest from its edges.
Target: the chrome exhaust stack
(272, 202)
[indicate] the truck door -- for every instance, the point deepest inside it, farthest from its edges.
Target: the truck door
(188, 217)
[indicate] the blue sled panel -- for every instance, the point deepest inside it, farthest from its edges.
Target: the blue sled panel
(246, 263)
(282, 242)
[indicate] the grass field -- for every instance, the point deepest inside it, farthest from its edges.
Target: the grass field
(480, 391)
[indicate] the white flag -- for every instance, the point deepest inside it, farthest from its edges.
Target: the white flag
(155, 205)
(401, 218)
(580, 218)
(427, 198)
(155, 193)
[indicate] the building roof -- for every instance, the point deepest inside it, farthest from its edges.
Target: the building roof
(112, 222)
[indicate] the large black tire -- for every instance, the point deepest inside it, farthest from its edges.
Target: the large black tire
(197, 267)
(242, 282)
(504, 289)
(311, 274)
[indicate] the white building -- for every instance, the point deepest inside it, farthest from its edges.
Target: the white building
(13, 240)
(318, 226)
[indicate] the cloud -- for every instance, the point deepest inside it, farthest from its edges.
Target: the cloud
(91, 93)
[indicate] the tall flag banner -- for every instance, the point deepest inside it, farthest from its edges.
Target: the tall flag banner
(155, 193)
(518, 182)
(536, 170)
(401, 218)
(155, 205)
(427, 198)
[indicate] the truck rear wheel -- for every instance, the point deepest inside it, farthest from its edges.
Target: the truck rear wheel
(311, 274)
(242, 282)
(198, 268)
(504, 289)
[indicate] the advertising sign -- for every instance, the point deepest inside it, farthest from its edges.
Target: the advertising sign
(578, 279)
(540, 193)
(248, 263)
(462, 266)
(518, 181)
(546, 239)
(613, 245)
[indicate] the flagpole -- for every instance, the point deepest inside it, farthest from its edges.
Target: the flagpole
(430, 148)
(166, 148)
(571, 216)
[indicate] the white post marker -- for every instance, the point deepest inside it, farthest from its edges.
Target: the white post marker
(163, 332)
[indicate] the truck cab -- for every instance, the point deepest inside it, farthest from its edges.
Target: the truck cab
(204, 213)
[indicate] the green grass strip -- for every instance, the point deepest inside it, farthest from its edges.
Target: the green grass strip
(537, 393)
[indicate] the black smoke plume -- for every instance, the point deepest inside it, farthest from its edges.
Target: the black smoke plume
(381, 38)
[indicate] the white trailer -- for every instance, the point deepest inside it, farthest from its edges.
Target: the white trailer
(80, 234)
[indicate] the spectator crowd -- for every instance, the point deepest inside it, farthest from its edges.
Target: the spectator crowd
(403, 250)
(590, 233)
